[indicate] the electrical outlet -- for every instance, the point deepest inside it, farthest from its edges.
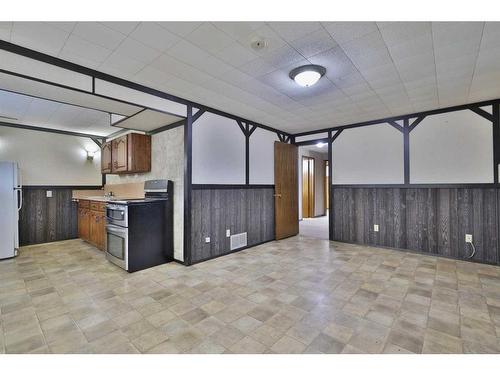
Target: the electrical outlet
(375, 227)
(468, 238)
(49, 193)
(207, 239)
(228, 233)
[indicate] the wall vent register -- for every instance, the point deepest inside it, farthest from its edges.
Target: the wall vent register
(238, 241)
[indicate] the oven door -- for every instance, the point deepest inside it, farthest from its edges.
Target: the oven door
(117, 214)
(117, 245)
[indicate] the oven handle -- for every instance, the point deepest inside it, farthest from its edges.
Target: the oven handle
(119, 231)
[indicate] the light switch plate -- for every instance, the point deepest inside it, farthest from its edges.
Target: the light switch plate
(468, 238)
(207, 239)
(49, 193)
(375, 227)
(228, 233)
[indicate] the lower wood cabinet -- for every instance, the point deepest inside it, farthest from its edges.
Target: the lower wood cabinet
(92, 223)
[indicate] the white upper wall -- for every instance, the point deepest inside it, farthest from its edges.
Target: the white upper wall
(262, 156)
(218, 151)
(49, 158)
(368, 155)
(453, 147)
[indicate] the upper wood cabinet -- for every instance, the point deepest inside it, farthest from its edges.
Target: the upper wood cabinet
(130, 153)
(119, 154)
(106, 158)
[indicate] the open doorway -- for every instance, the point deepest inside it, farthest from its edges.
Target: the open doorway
(313, 191)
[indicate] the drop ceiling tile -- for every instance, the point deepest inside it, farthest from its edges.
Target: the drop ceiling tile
(209, 38)
(238, 30)
(124, 27)
(236, 77)
(413, 47)
(66, 26)
(154, 36)
(38, 36)
(445, 33)
(81, 48)
(313, 43)
(284, 57)
(5, 28)
(180, 28)
(257, 67)
(491, 35)
(172, 66)
(291, 31)
(236, 55)
(344, 32)
(335, 61)
(137, 51)
(98, 34)
(120, 64)
(395, 33)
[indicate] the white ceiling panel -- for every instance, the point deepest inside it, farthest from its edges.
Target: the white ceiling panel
(26, 110)
(147, 120)
(374, 69)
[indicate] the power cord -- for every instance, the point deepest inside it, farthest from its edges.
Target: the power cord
(473, 250)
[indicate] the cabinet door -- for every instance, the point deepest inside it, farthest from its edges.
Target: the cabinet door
(85, 224)
(92, 228)
(139, 153)
(106, 158)
(119, 154)
(101, 227)
(80, 222)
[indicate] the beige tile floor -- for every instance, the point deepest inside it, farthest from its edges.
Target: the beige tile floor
(300, 295)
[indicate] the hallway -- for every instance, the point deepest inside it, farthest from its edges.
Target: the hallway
(316, 227)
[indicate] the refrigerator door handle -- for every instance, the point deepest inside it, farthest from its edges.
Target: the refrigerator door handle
(19, 199)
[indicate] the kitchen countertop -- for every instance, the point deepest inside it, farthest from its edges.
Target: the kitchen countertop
(100, 198)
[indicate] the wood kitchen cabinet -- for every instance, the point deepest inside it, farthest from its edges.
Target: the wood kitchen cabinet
(130, 153)
(83, 223)
(106, 161)
(92, 223)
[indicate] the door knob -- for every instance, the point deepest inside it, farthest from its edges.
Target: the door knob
(277, 195)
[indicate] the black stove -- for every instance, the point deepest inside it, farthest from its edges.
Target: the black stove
(139, 232)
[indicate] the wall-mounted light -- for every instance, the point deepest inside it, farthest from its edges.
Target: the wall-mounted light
(90, 155)
(307, 75)
(320, 144)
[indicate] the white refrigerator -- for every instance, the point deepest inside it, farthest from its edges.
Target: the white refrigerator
(11, 200)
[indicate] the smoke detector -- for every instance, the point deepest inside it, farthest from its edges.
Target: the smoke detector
(258, 44)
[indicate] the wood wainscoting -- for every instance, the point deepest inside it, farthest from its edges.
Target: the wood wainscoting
(239, 209)
(44, 219)
(426, 220)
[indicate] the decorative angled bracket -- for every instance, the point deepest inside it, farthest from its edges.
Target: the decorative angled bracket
(395, 125)
(481, 112)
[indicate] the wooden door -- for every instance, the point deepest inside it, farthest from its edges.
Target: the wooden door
(286, 208)
(106, 158)
(119, 154)
(307, 187)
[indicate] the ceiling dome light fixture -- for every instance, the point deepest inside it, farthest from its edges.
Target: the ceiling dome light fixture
(307, 75)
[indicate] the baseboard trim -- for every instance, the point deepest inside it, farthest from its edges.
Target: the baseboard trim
(418, 252)
(230, 252)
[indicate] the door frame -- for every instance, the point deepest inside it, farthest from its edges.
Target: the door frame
(311, 188)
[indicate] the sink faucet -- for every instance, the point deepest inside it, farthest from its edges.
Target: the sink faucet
(109, 195)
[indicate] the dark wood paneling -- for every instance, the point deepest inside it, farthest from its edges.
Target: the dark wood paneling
(427, 220)
(239, 210)
(45, 219)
